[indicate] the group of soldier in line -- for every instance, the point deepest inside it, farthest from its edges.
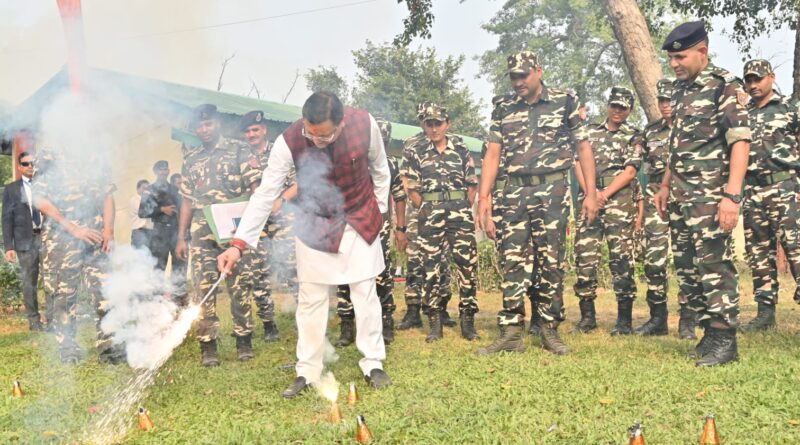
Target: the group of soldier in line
(712, 139)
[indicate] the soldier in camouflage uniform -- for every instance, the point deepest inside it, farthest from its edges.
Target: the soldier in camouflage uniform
(213, 173)
(257, 263)
(80, 232)
(617, 162)
(532, 130)
(442, 183)
(654, 146)
(771, 210)
(415, 273)
(709, 149)
(385, 281)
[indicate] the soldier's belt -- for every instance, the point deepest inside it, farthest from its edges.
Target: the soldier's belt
(769, 178)
(604, 181)
(445, 195)
(533, 180)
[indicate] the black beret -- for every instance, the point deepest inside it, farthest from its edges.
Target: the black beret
(685, 36)
(251, 118)
(204, 112)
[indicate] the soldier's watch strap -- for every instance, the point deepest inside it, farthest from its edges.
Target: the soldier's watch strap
(735, 198)
(401, 228)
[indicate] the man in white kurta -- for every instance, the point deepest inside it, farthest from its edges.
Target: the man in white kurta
(356, 263)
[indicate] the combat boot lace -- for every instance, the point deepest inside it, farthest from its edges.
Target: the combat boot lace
(435, 320)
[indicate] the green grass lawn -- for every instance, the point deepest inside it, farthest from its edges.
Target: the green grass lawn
(442, 393)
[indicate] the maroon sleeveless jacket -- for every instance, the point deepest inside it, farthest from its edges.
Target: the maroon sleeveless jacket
(334, 185)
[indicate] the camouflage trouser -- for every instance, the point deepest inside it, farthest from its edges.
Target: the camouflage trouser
(534, 234)
(70, 263)
(257, 267)
(450, 221)
(498, 209)
(771, 214)
(204, 251)
(415, 273)
(280, 245)
(384, 283)
(704, 263)
(614, 223)
(656, 249)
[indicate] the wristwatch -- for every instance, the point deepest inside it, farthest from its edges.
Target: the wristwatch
(400, 228)
(735, 198)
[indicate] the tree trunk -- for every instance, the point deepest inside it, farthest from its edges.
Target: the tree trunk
(796, 70)
(631, 32)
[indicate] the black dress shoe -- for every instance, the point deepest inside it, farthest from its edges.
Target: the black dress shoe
(298, 386)
(378, 379)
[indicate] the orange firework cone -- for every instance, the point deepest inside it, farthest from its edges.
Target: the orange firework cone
(710, 436)
(336, 413)
(362, 432)
(637, 436)
(16, 391)
(145, 423)
(352, 395)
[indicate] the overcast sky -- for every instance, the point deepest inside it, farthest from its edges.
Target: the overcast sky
(185, 41)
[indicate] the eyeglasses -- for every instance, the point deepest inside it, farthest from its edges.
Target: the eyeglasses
(324, 139)
(26, 164)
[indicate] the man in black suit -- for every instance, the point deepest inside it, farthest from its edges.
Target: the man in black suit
(22, 229)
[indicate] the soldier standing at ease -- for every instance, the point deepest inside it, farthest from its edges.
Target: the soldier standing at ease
(617, 162)
(258, 263)
(384, 283)
(771, 211)
(80, 234)
(213, 173)
(709, 149)
(442, 183)
(533, 130)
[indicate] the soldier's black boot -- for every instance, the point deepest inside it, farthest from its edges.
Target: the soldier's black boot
(411, 319)
(446, 320)
(510, 340)
(704, 345)
(687, 323)
(271, 332)
(552, 341)
(797, 295)
(210, 357)
(765, 319)
(244, 348)
(723, 348)
(588, 320)
(536, 319)
(348, 333)
(657, 324)
(435, 320)
(388, 330)
(624, 324)
(468, 327)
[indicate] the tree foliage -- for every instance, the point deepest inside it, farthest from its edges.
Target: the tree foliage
(418, 23)
(752, 17)
(327, 79)
(574, 41)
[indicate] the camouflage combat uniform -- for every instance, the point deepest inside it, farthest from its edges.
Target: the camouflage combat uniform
(257, 264)
(443, 179)
(384, 283)
(771, 211)
(211, 176)
(709, 116)
(613, 152)
(536, 142)
(70, 262)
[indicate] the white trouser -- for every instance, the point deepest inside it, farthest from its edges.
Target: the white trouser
(312, 322)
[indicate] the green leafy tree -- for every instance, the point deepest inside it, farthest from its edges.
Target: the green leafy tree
(327, 79)
(391, 81)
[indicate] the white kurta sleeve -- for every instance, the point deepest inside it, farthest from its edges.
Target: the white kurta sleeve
(258, 209)
(379, 166)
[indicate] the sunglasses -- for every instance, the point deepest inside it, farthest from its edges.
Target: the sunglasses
(26, 164)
